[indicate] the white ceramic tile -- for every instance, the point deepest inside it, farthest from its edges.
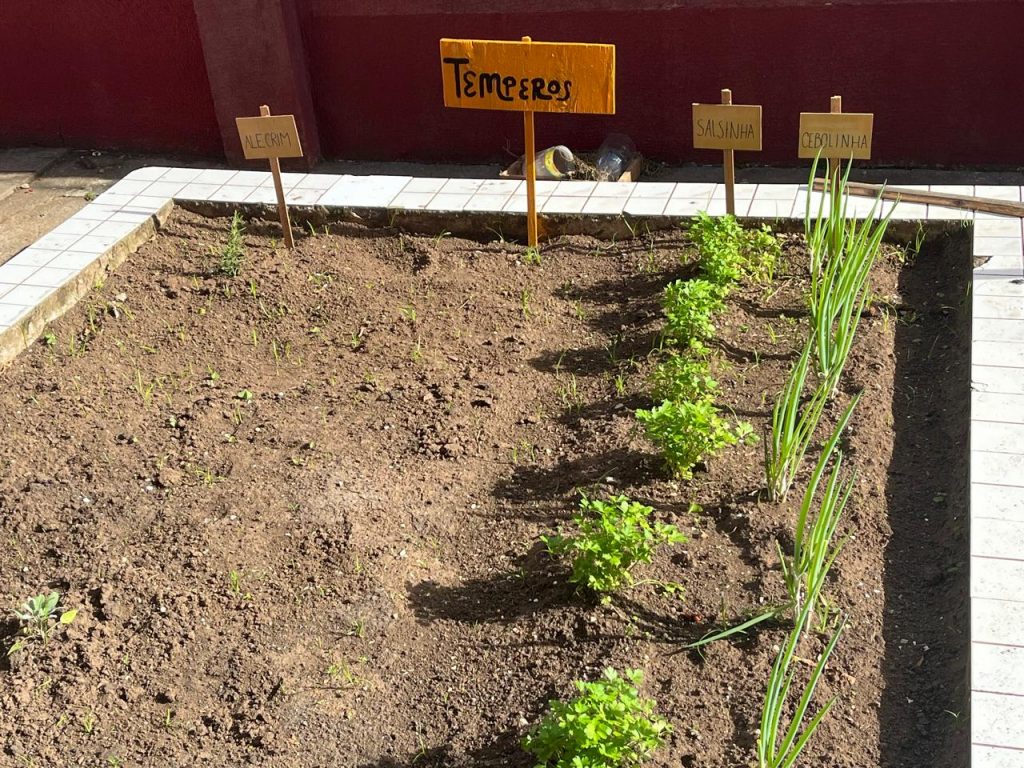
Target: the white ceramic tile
(130, 217)
(990, 378)
(658, 190)
(1001, 307)
(501, 186)
(412, 200)
(129, 187)
(997, 502)
(998, 192)
(997, 468)
(115, 229)
(303, 196)
(365, 191)
(97, 212)
(769, 209)
(162, 189)
(447, 201)
(994, 286)
(1000, 353)
(263, 196)
(6, 288)
(997, 579)
(50, 277)
(145, 204)
(197, 191)
(948, 213)
(997, 621)
(545, 187)
(72, 260)
(574, 189)
(425, 185)
(988, 329)
(288, 180)
(217, 176)
(612, 206)
(785, 192)
(149, 173)
(996, 757)
(15, 273)
(10, 313)
(250, 179)
(319, 181)
(487, 203)
(645, 206)
(461, 186)
(743, 191)
(33, 257)
(27, 295)
(903, 211)
(991, 537)
(230, 193)
(75, 226)
(959, 190)
(686, 206)
(996, 720)
(986, 406)
(181, 175)
(564, 203)
(697, 189)
(995, 266)
(95, 243)
(618, 189)
(54, 241)
(997, 246)
(997, 227)
(517, 203)
(997, 668)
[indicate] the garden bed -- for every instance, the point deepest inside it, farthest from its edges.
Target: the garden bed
(299, 508)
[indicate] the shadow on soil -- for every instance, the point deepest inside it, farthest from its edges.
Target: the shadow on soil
(924, 709)
(505, 751)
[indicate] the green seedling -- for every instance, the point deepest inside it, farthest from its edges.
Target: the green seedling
(689, 306)
(38, 617)
(233, 254)
(531, 256)
(611, 538)
(689, 432)
(679, 378)
(608, 725)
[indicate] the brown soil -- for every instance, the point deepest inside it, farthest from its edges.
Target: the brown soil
(371, 432)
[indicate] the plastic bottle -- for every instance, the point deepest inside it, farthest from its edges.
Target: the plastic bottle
(555, 163)
(614, 155)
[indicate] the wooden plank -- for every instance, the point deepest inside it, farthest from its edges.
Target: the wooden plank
(966, 202)
(268, 136)
(526, 76)
(844, 136)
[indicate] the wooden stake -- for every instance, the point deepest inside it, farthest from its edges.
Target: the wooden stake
(282, 206)
(835, 165)
(729, 161)
(531, 173)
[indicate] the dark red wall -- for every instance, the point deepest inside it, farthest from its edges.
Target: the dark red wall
(104, 73)
(940, 76)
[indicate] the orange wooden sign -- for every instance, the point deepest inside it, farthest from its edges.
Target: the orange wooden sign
(528, 77)
(727, 126)
(266, 137)
(836, 135)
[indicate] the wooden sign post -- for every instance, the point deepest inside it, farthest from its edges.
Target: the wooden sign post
(272, 137)
(524, 76)
(836, 136)
(727, 127)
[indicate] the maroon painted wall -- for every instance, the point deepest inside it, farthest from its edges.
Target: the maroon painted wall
(105, 73)
(941, 76)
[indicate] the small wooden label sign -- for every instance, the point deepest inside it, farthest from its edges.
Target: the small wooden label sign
(265, 137)
(837, 135)
(727, 126)
(526, 76)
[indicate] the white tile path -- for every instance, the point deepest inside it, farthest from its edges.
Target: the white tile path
(997, 366)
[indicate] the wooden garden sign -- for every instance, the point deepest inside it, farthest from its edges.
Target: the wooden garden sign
(728, 127)
(272, 137)
(524, 76)
(837, 135)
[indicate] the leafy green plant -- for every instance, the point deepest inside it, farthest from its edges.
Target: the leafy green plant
(842, 254)
(688, 432)
(232, 255)
(729, 252)
(689, 306)
(773, 752)
(607, 726)
(39, 616)
(679, 377)
(613, 536)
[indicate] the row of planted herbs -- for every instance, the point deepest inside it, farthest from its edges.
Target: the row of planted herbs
(609, 723)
